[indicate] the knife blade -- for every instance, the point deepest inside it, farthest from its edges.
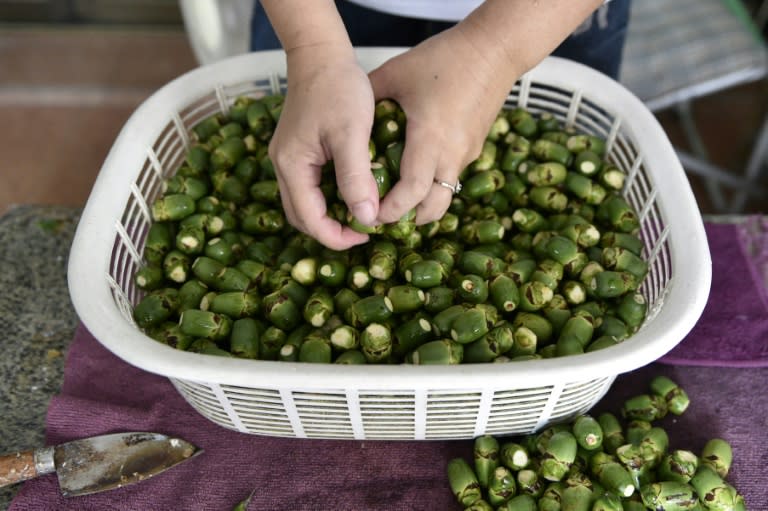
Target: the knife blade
(99, 463)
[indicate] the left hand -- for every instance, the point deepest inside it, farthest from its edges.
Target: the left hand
(451, 93)
(327, 115)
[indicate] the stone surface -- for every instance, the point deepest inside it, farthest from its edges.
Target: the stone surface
(37, 318)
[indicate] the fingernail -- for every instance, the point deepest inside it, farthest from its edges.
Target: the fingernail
(364, 212)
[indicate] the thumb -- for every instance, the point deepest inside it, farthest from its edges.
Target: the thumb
(381, 83)
(354, 178)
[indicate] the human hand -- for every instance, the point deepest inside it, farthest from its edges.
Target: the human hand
(327, 115)
(451, 92)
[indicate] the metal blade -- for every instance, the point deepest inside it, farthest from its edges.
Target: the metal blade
(105, 462)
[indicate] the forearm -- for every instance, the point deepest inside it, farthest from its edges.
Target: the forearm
(514, 35)
(306, 23)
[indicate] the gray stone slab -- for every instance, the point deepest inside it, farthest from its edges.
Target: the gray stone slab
(37, 320)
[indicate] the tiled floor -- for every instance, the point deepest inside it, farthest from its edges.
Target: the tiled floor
(66, 92)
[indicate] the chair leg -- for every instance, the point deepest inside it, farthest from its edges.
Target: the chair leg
(695, 165)
(697, 162)
(758, 161)
(699, 150)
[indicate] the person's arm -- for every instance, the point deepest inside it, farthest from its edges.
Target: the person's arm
(522, 32)
(452, 86)
(328, 114)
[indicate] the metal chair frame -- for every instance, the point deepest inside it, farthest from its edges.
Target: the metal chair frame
(712, 45)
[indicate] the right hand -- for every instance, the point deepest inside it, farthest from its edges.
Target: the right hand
(451, 91)
(327, 115)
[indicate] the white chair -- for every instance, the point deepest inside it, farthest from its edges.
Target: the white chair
(217, 28)
(680, 50)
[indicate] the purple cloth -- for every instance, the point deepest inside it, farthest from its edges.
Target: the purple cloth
(102, 394)
(733, 329)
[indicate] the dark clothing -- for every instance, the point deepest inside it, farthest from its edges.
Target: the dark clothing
(598, 43)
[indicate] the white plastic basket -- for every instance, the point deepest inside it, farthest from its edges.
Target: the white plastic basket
(385, 401)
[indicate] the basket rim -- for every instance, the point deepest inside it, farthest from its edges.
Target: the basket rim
(684, 301)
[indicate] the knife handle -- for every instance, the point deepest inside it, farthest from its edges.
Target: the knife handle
(24, 465)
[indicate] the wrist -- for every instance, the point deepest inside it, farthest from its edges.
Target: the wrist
(491, 65)
(515, 35)
(306, 62)
(317, 24)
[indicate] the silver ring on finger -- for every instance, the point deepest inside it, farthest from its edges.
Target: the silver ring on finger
(455, 188)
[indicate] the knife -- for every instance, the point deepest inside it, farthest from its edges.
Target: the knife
(98, 463)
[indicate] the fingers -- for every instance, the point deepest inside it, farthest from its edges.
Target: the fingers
(434, 205)
(305, 208)
(305, 204)
(353, 173)
(426, 157)
(423, 162)
(417, 173)
(285, 197)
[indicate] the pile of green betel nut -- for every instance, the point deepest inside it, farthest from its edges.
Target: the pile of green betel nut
(538, 255)
(598, 464)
